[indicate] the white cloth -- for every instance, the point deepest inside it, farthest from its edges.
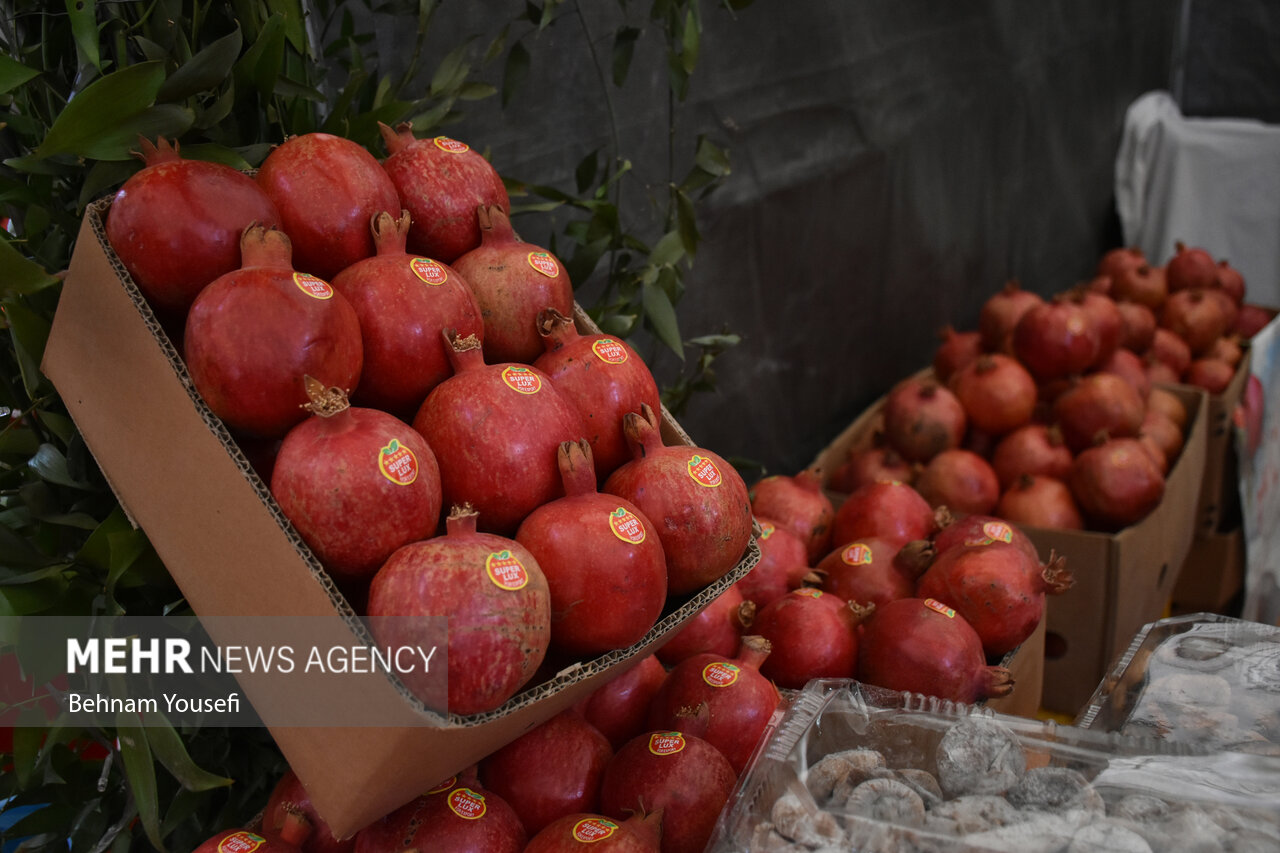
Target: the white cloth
(1212, 183)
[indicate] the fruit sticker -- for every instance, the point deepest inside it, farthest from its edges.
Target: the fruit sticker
(467, 804)
(506, 570)
(857, 554)
(521, 379)
(444, 786)
(938, 606)
(313, 286)
(809, 591)
(592, 829)
(609, 351)
(398, 464)
(766, 530)
(720, 674)
(431, 272)
(704, 472)
(544, 263)
(626, 525)
(666, 743)
(241, 842)
(453, 146)
(992, 531)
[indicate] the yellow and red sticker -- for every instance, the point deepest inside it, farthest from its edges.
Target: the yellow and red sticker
(721, 673)
(313, 286)
(521, 379)
(609, 351)
(810, 591)
(467, 804)
(626, 525)
(452, 146)
(704, 472)
(766, 530)
(241, 842)
(857, 554)
(592, 829)
(506, 570)
(446, 785)
(938, 607)
(431, 272)
(992, 532)
(666, 743)
(397, 463)
(544, 263)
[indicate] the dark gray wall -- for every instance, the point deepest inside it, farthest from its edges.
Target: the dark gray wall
(894, 162)
(1230, 66)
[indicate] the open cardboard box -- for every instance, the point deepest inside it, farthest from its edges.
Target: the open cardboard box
(180, 476)
(1123, 580)
(1212, 575)
(1219, 489)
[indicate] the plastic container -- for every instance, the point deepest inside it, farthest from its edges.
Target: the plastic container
(851, 767)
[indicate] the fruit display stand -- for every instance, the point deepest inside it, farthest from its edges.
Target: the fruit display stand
(181, 478)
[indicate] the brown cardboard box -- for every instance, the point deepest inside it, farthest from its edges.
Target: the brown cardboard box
(1026, 665)
(1219, 493)
(1123, 580)
(212, 520)
(1212, 575)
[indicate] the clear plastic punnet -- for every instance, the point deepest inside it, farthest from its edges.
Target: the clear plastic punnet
(851, 767)
(1202, 679)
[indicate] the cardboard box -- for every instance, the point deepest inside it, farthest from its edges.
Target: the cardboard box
(1123, 580)
(212, 520)
(1212, 575)
(1219, 489)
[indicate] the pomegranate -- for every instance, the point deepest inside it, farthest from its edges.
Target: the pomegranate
(956, 350)
(798, 504)
(1252, 319)
(996, 589)
(1119, 258)
(176, 224)
(1107, 321)
(716, 629)
(1229, 280)
(1139, 326)
(603, 376)
(550, 771)
(1160, 372)
(327, 189)
(1116, 483)
(1001, 312)
(727, 702)
(1156, 452)
(1168, 347)
(356, 483)
(1039, 501)
(602, 559)
(868, 465)
(1098, 403)
(441, 181)
(974, 531)
(465, 818)
(640, 833)
(1210, 374)
(891, 511)
(404, 302)
(783, 565)
(960, 480)
(701, 500)
(1056, 339)
(924, 646)
(1167, 403)
(683, 775)
(873, 571)
(1129, 366)
(809, 639)
(230, 840)
(252, 334)
(619, 708)
(998, 394)
(922, 419)
(1161, 429)
(1194, 317)
(1230, 309)
(496, 430)
(1190, 268)
(512, 281)
(1031, 449)
(290, 803)
(1145, 285)
(1227, 348)
(491, 595)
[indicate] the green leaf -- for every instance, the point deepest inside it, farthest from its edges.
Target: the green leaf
(84, 29)
(261, 63)
(585, 174)
(26, 749)
(96, 550)
(13, 74)
(476, 91)
(662, 317)
(172, 753)
(687, 220)
(514, 71)
(452, 71)
(140, 771)
(689, 45)
(711, 158)
(668, 250)
(30, 333)
(100, 109)
(205, 71)
(624, 48)
(618, 324)
(51, 465)
(20, 275)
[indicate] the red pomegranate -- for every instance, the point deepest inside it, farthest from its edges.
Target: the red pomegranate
(716, 629)
(1098, 403)
(1229, 307)
(490, 596)
(725, 701)
(290, 803)
(1031, 449)
(441, 182)
(1056, 339)
(602, 560)
(925, 646)
(512, 281)
(1210, 374)
(404, 302)
(1252, 319)
(1171, 349)
(496, 430)
(975, 531)
(997, 392)
(327, 189)
(1168, 404)
(1159, 372)
(681, 774)
(1195, 317)
(808, 638)
(1037, 501)
(1227, 348)
(960, 480)
(233, 840)
(782, 567)
(253, 334)
(955, 351)
(465, 818)
(922, 419)
(891, 511)
(551, 771)
(176, 224)
(640, 833)
(1108, 323)
(702, 501)
(619, 708)
(997, 589)
(1146, 285)
(874, 571)
(867, 465)
(1001, 312)
(1190, 268)
(1164, 432)
(356, 483)
(1129, 366)
(1139, 326)
(1120, 258)
(798, 504)
(603, 376)
(1116, 483)
(1230, 281)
